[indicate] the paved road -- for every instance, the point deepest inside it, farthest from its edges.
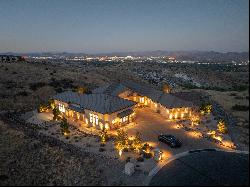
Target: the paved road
(205, 168)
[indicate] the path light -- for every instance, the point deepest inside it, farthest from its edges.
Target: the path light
(217, 138)
(228, 144)
(157, 154)
(120, 152)
(211, 132)
(65, 133)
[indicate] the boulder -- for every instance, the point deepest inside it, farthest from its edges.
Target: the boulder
(129, 168)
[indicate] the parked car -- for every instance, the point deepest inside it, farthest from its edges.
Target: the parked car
(170, 140)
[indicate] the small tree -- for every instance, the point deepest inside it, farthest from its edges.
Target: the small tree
(56, 113)
(64, 126)
(42, 108)
(166, 88)
(221, 127)
(206, 108)
(121, 141)
(82, 90)
(137, 142)
(51, 104)
(195, 119)
(104, 136)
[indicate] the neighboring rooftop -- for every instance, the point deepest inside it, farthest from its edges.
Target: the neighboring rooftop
(110, 89)
(101, 103)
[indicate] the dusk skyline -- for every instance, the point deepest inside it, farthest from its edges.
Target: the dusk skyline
(123, 26)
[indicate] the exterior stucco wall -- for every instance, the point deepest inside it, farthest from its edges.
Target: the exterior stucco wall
(104, 120)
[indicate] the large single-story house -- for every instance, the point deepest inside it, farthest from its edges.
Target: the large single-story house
(112, 105)
(96, 110)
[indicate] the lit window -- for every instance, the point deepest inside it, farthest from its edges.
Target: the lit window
(176, 115)
(141, 99)
(124, 119)
(61, 107)
(93, 119)
(170, 116)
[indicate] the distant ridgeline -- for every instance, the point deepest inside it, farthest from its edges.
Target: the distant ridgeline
(11, 58)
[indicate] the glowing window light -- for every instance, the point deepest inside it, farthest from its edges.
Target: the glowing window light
(176, 115)
(170, 116)
(61, 107)
(101, 126)
(107, 126)
(182, 115)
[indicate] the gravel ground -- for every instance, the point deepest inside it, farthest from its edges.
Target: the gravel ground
(26, 161)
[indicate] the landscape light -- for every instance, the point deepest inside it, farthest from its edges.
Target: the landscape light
(217, 137)
(120, 152)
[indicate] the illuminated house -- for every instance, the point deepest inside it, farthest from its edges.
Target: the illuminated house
(112, 105)
(96, 110)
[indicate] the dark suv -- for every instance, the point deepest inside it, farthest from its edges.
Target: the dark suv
(170, 140)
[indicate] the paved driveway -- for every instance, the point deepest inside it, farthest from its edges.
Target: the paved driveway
(151, 124)
(205, 169)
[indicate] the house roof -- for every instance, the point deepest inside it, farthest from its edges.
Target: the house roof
(75, 108)
(111, 89)
(101, 103)
(125, 113)
(167, 100)
(144, 90)
(171, 101)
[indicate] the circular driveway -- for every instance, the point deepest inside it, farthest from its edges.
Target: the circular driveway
(208, 168)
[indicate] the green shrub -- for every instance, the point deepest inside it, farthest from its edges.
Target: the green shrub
(240, 107)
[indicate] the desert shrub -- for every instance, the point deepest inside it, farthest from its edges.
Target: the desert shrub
(58, 90)
(102, 149)
(51, 104)
(59, 85)
(43, 108)
(128, 159)
(56, 113)
(221, 127)
(102, 144)
(240, 107)
(121, 140)
(22, 93)
(239, 97)
(166, 88)
(140, 159)
(233, 94)
(136, 144)
(240, 88)
(35, 86)
(206, 108)
(64, 125)
(147, 155)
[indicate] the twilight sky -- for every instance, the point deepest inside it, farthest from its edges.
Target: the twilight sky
(95, 26)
